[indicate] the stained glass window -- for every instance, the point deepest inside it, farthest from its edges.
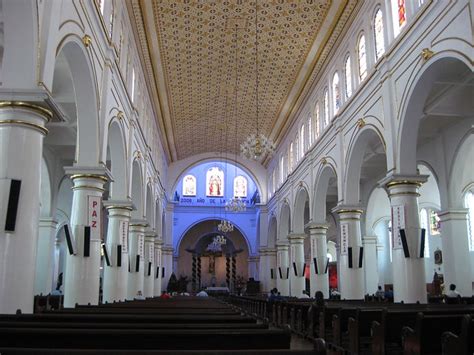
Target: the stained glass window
(215, 182)
(302, 147)
(317, 120)
(189, 185)
(290, 158)
(362, 58)
(133, 85)
(282, 169)
(326, 108)
(101, 6)
(469, 204)
(240, 186)
(348, 77)
(336, 93)
(424, 224)
(379, 34)
(434, 223)
(399, 15)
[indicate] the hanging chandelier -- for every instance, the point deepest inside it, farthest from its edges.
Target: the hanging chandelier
(225, 226)
(235, 205)
(257, 145)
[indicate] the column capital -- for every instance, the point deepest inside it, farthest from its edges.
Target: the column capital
(118, 204)
(99, 173)
(282, 246)
(24, 114)
(48, 222)
(158, 242)
(453, 214)
(150, 237)
(392, 181)
(167, 249)
(316, 226)
(254, 258)
(296, 238)
(138, 223)
(348, 209)
(369, 239)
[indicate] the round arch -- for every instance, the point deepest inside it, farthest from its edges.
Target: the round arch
(137, 190)
(300, 215)
(118, 167)
(149, 212)
(285, 222)
(272, 232)
(326, 175)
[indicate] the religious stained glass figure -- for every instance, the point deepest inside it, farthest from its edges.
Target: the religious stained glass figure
(362, 58)
(240, 186)
(401, 13)
(378, 32)
(215, 182)
(336, 91)
(316, 119)
(434, 223)
(348, 76)
(189, 185)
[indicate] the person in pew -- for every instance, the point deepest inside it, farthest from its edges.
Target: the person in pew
(165, 295)
(319, 299)
(140, 296)
(452, 293)
(380, 294)
(202, 293)
(389, 295)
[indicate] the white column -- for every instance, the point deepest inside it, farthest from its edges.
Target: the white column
(149, 269)
(351, 272)
(271, 264)
(137, 252)
(371, 270)
(21, 148)
(262, 270)
(45, 256)
(456, 260)
(297, 281)
(157, 272)
(253, 266)
(82, 281)
(116, 276)
(282, 270)
(409, 284)
(167, 260)
(319, 279)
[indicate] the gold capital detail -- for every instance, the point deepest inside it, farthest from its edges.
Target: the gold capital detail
(323, 161)
(426, 54)
(44, 112)
(87, 40)
(89, 176)
(360, 123)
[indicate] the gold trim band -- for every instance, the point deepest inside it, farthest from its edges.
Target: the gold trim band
(118, 207)
(33, 126)
(39, 109)
(87, 187)
(144, 225)
(403, 182)
(407, 193)
(318, 227)
(89, 176)
(349, 211)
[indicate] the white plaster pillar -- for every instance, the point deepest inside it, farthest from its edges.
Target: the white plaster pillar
(319, 279)
(115, 283)
(82, 279)
(136, 254)
(282, 270)
(263, 270)
(351, 272)
(45, 256)
(21, 149)
(253, 266)
(271, 264)
(149, 267)
(409, 284)
(297, 281)
(157, 272)
(456, 259)
(371, 270)
(167, 260)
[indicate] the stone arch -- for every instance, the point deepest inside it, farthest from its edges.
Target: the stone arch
(412, 109)
(116, 152)
(74, 59)
(326, 177)
(461, 176)
(149, 212)
(301, 210)
(137, 190)
(367, 149)
(285, 222)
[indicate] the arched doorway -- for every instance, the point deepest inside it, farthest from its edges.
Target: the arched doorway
(208, 258)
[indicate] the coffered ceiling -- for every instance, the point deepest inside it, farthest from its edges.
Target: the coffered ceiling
(200, 59)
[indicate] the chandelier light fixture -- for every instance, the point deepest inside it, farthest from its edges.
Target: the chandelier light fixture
(225, 226)
(236, 205)
(257, 145)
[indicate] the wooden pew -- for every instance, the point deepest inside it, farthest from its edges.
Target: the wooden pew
(359, 328)
(461, 343)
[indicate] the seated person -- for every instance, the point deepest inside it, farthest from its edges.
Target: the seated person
(380, 293)
(452, 293)
(202, 293)
(139, 296)
(389, 294)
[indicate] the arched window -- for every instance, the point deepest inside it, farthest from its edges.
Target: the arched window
(336, 93)
(378, 34)
(133, 85)
(348, 77)
(282, 169)
(362, 54)
(326, 108)
(469, 204)
(317, 120)
(290, 158)
(424, 224)
(399, 12)
(310, 131)
(215, 182)
(102, 6)
(302, 145)
(189, 185)
(329, 256)
(240, 186)
(297, 149)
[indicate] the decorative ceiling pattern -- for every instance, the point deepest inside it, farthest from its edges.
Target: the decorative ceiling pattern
(205, 52)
